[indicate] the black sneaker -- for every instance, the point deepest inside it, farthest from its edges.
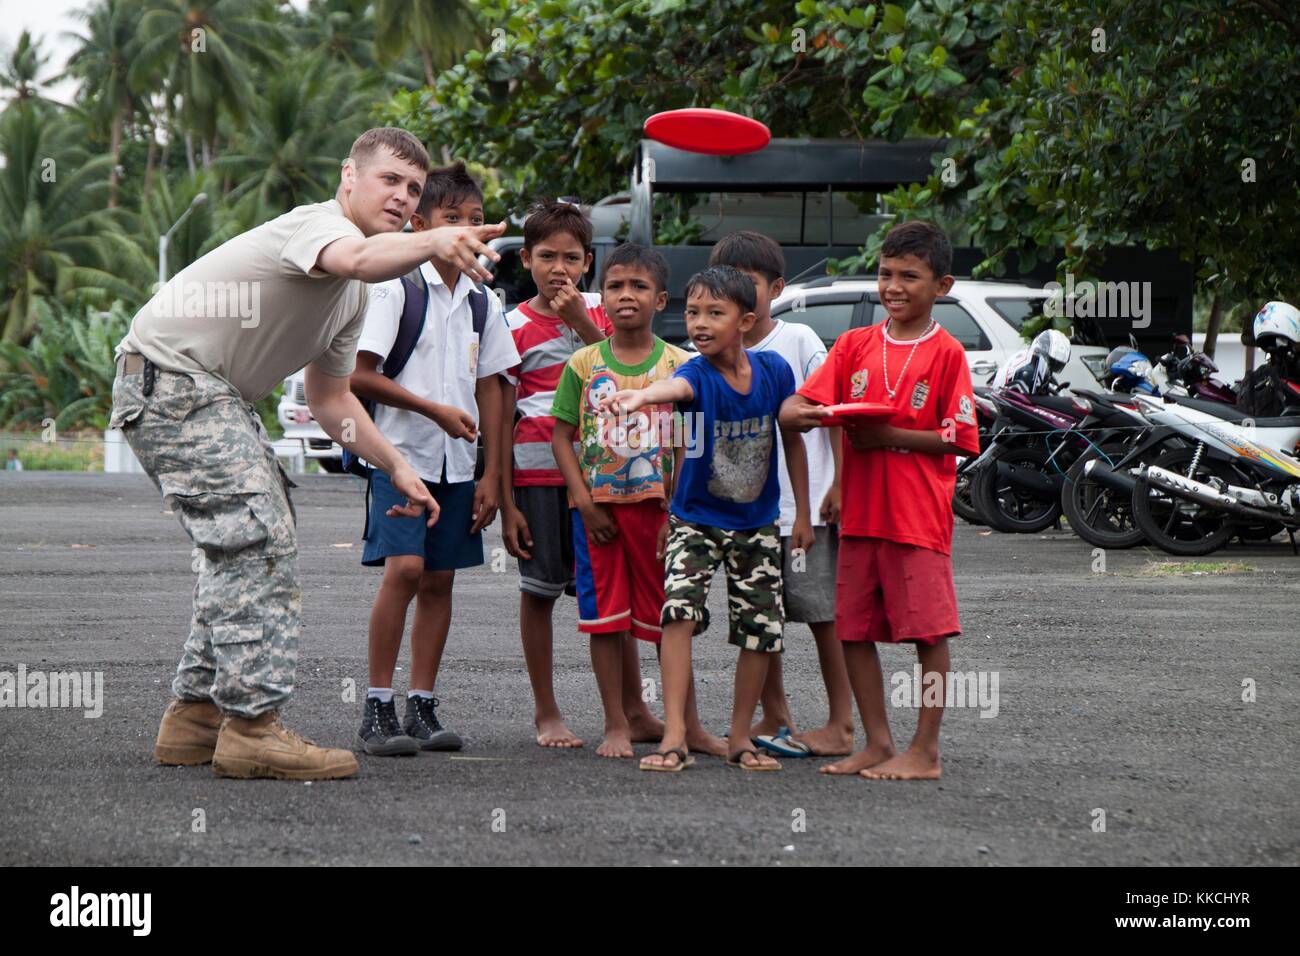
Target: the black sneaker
(421, 723)
(380, 735)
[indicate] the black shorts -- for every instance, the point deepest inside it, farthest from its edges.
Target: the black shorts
(549, 572)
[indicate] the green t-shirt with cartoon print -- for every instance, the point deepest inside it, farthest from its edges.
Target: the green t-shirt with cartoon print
(627, 458)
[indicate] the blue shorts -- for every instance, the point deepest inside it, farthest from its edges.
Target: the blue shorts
(447, 546)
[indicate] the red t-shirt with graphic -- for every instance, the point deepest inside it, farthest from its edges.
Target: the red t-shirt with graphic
(892, 493)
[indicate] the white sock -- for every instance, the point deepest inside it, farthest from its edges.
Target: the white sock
(385, 694)
(426, 694)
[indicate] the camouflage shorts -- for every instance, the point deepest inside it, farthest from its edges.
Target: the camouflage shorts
(752, 560)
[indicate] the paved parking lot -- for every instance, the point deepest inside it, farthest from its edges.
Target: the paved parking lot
(1118, 691)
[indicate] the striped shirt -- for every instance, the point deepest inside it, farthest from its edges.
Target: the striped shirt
(545, 344)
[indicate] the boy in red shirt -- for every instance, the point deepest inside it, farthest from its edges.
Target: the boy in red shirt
(894, 580)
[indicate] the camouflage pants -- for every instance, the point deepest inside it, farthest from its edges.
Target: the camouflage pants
(752, 560)
(206, 450)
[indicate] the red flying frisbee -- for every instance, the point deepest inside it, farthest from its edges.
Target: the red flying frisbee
(857, 411)
(715, 132)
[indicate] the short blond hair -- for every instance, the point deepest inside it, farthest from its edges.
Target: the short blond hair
(401, 143)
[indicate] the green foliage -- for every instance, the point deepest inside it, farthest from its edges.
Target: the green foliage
(65, 373)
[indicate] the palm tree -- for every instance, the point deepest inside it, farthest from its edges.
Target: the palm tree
(55, 240)
(20, 71)
(290, 151)
(204, 55)
(101, 62)
(441, 30)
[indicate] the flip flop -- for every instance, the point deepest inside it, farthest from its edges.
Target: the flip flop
(683, 761)
(734, 760)
(783, 745)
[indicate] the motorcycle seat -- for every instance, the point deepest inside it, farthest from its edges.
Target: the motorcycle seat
(1230, 413)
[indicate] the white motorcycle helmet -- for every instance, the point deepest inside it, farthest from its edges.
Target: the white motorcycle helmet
(1054, 346)
(1277, 320)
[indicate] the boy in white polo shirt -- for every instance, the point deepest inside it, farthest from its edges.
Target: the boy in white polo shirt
(808, 579)
(431, 384)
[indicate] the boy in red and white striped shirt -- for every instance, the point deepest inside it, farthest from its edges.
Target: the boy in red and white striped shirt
(535, 521)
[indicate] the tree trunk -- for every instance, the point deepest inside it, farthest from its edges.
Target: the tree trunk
(115, 145)
(189, 152)
(1212, 326)
(150, 158)
(427, 60)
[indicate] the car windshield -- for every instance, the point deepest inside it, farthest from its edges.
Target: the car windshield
(1017, 310)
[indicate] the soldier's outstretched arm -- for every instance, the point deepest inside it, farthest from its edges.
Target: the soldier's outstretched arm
(343, 418)
(391, 255)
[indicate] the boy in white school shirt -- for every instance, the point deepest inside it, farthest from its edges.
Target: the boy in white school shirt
(446, 383)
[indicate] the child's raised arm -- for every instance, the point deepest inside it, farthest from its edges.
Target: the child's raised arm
(675, 389)
(800, 414)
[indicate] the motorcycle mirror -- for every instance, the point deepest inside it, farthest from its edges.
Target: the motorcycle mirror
(1132, 341)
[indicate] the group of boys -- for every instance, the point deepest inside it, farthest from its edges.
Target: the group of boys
(627, 472)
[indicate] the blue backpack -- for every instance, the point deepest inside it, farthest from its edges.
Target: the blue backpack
(415, 292)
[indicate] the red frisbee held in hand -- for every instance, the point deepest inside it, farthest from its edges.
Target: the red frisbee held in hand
(857, 412)
(715, 132)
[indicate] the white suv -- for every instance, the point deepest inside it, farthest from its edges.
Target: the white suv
(985, 317)
(298, 424)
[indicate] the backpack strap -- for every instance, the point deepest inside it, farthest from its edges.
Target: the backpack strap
(478, 309)
(416, 295)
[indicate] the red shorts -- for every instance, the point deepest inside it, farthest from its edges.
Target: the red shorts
(890, 593)
(621, 584)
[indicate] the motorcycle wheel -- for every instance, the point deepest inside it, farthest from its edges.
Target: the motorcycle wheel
(962, 506)
(1260, 531)
(1184, 528)
(1097, 514)
(1005, 507)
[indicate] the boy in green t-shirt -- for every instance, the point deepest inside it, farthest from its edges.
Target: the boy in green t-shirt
(620, 477)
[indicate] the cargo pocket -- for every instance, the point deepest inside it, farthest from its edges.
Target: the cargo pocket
(243, 656)
(224, 526)
(128, 400)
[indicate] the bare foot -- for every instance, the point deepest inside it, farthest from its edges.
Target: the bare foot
(909, 765)
(827, 741)
(702, 742)
(860, 761)
(552, 732)
(645, 728)
(770, 726)
(617, 743)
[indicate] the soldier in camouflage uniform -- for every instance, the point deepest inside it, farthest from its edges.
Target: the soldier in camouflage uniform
(216, 339)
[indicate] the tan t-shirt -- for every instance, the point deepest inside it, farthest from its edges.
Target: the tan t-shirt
(256, 309)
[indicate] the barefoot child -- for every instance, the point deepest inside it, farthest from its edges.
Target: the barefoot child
(535, 522)
(429, 408)
(808, 579)
(618, 483)
(895, 575)
(725, 507)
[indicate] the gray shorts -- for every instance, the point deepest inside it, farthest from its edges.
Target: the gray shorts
(809, 590)
(549, 572)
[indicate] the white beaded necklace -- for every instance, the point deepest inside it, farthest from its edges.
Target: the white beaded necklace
(884, 357)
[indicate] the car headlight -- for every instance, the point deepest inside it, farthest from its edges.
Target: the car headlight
(1096, 364)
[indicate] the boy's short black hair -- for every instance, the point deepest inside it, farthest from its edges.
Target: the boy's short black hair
(639, 256)
(751, 251)
(547, 217)
(725, 282)
(447, 187)
(922, 239)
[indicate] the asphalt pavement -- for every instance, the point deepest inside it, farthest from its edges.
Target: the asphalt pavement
(1119, 690)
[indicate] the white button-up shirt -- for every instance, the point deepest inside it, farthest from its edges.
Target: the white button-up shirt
(445, 367)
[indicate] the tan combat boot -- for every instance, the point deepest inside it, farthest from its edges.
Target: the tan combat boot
(188, 733)
(264, 747)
